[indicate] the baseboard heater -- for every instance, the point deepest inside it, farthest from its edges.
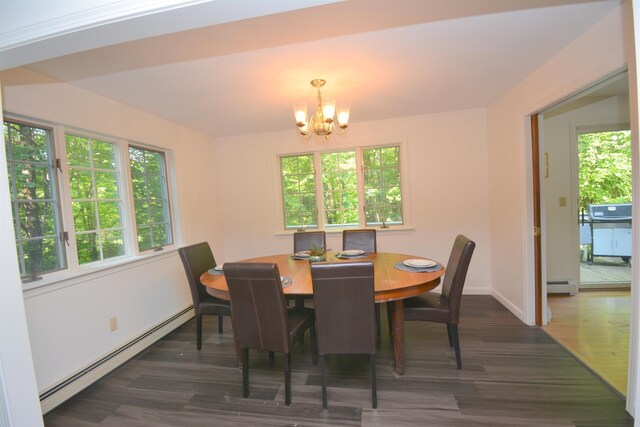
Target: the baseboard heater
(68, 388)
(562, 287)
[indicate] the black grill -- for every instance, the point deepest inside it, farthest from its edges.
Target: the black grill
(610, 230)
(610, 213)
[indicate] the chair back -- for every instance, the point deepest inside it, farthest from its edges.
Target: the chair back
(344, 302)
(197, 259)
(456, 274)
(305, 240)
(258, 307)
(363, 239)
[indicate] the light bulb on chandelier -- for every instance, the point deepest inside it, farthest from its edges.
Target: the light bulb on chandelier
(321, 123)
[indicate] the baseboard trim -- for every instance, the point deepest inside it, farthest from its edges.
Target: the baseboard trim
(512, 308)
(60, 393)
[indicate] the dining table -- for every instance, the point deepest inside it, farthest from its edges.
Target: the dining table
(393, 281)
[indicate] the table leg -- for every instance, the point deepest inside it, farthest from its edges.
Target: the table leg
(398, 335)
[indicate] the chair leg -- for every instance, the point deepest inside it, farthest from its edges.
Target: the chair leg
(271, 357)
(314, 344)
(220, 320)
(287, 379)
(456, 343)
(323, 376)
(378, 326)
(198, 331)
(374, 393)
(245, 372)
(449, 335)
(390, 316)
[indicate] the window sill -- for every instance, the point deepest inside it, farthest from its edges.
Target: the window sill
(62, 279)
(392, 229)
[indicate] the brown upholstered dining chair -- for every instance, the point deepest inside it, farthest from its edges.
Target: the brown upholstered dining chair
(305, 240)
(445, 307)
(343, 296)
(261, 319)
(197, 259)
(365, 240)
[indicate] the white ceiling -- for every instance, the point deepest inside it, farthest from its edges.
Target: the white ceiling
(384, 58)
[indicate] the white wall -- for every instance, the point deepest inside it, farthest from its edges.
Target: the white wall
(18, 393)
(68, 321)
(559, 141)
(447, 187)
(600, 51)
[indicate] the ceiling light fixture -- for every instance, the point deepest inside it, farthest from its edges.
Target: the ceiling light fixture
(321, 123)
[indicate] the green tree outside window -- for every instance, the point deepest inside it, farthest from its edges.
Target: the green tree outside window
(34, 199)
(151, 198)
(95, 198)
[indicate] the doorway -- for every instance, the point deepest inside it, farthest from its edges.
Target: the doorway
(578, 214)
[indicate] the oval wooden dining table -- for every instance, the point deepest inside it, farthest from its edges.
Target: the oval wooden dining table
(391, 285)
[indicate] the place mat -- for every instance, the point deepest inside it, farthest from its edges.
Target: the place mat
(351, 256)
(299, 258)
(403, 267)
(286, 281)
(215, 272)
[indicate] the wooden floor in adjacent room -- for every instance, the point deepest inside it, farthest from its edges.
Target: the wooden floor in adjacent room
(594, 326)
(512, 375)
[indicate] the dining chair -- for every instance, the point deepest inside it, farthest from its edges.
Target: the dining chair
(344, 301)
(365, 240)
(445, 307)
(197, 259)
(261, 319)
(305, 240)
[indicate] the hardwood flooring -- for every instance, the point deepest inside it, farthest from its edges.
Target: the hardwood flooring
(512, 375)
(594, 326)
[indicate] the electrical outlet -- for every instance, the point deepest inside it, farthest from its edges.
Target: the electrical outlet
(113, 324)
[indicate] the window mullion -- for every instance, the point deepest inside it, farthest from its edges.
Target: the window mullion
(317, 171)
(360, 183)
(65, 199)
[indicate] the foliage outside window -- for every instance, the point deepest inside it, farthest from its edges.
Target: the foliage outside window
(347, 178)
(299, 191)
(95, 199)
(151, 198)
(340, 188)
(604, 168)
(383, 193)
(34, 199)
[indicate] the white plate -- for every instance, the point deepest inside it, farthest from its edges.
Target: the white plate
(218, 267)
(419, 263)
(352, 252)
(302, 254)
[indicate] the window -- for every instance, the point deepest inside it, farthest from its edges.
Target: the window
(34, 199)
(383, 193)
(151, 198)
(87, 189)
(358, 187)
(299, 191)
(95, 199)
(339, 188)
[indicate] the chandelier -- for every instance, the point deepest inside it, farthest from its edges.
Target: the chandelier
(321, 123)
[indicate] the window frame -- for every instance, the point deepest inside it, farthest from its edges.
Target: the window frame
(119, 170)
(59, 218)
(73, 268)
(404, 188)
(167, 189)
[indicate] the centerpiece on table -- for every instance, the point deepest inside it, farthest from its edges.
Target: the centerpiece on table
(317, 254)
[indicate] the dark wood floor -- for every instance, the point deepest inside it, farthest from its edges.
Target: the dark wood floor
(512, 375)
